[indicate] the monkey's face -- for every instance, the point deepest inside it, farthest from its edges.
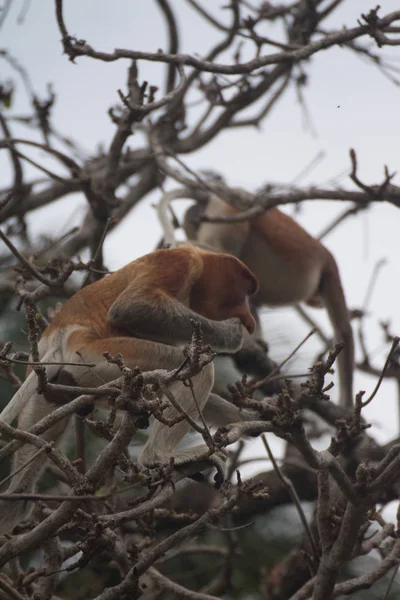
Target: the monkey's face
(238, 308)
(223, 290)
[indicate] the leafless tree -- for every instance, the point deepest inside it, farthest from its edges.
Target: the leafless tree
(105, 514)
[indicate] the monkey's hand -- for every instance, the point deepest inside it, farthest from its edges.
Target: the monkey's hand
(227, 337)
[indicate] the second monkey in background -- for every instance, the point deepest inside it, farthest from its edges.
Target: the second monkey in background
(291, 267)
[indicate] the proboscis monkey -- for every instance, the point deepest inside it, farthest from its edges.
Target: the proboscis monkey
(142, 311)
(290, 265)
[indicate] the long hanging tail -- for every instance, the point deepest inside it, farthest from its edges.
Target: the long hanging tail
(31, 407)
(335, 302)
(28, 388)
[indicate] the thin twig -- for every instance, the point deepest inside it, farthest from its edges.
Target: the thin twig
(293, 494)
(261, 382)
(382, 375)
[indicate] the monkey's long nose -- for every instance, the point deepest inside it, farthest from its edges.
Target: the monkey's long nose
(247, 320)
(250, 324)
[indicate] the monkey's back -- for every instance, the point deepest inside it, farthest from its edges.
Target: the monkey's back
(89, 307)
(286, 260)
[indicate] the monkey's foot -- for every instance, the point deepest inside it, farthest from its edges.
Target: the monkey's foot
(216, 460)
(188, 459)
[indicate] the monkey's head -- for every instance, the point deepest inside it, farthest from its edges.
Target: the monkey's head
(223, 289)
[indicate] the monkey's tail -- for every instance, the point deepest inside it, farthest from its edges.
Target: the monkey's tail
(335, 302)
(27, 400)
(28, 388)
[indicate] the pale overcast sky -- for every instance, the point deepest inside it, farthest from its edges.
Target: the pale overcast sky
(351, 105)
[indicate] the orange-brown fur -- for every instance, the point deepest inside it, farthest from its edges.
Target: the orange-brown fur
(142, 311)
(290, 265)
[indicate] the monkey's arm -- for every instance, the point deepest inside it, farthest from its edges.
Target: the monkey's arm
(155, 315)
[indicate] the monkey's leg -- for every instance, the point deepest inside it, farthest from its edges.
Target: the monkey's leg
(147, 355)
(163, 440)
(219, 412)
(26, 466)
(13, 512)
